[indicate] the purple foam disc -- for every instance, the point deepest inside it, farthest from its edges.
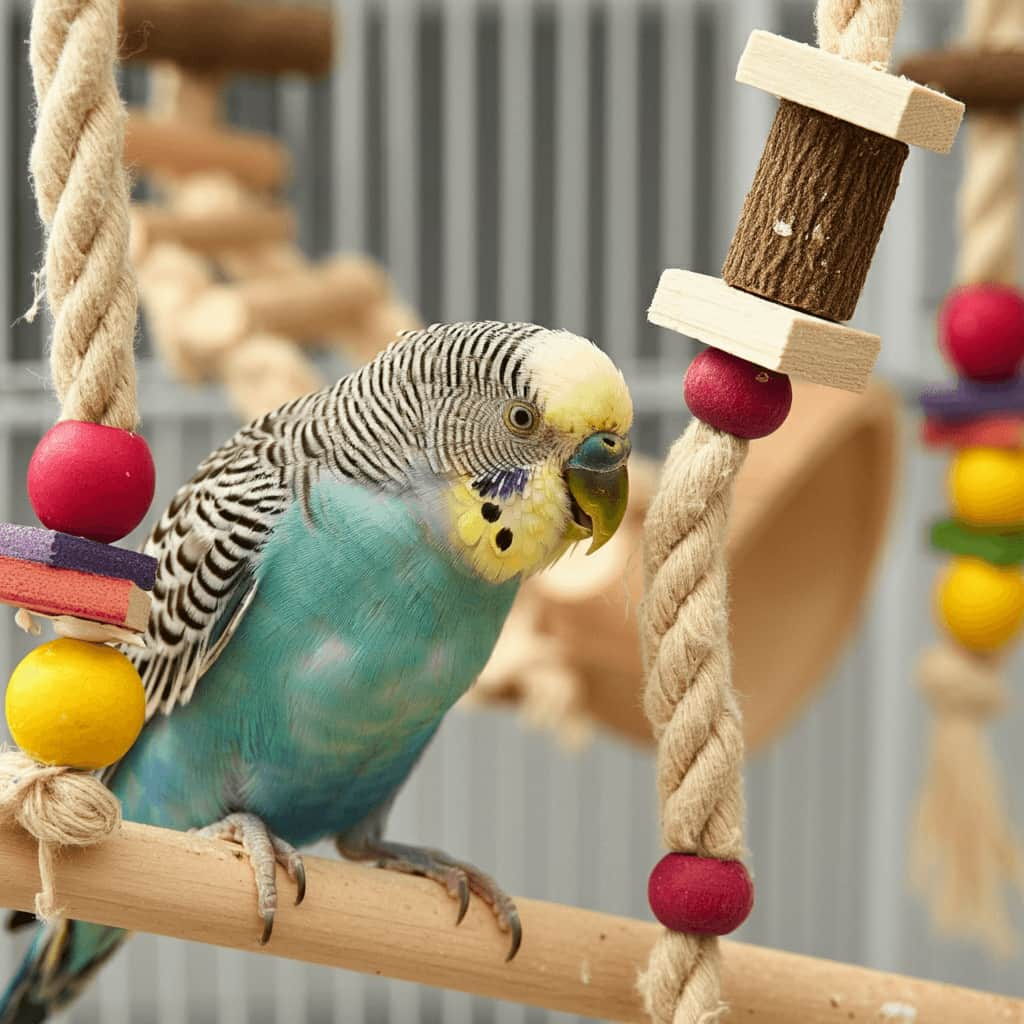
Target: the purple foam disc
(63, 551)
(971, 398)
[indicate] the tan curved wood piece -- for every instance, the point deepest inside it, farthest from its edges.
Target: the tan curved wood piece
(811, 511)
(214, 232)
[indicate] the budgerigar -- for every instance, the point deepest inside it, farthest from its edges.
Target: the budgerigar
(330, 582)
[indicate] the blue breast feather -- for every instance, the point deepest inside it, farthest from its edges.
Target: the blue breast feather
(363, 633)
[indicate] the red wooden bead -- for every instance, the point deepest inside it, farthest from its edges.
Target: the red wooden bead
(90, 480)
(737, 396)
(700, 895)
(981, 330)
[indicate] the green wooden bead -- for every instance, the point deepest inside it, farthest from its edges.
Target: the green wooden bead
(955, 538)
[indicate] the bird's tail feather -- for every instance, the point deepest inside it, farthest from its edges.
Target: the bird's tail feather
(60, 962)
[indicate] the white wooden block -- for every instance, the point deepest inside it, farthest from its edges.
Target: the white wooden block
(857, 93)
(773, 336)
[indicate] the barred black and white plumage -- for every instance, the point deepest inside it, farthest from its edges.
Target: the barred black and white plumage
(414, 402)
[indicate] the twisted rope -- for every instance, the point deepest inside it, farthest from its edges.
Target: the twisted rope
(990, 199)
(82, 193)
(860, 30)
(684, 629)
(963, 845)
(689, 698)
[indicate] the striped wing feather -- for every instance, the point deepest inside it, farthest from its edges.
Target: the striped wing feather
(368, 427)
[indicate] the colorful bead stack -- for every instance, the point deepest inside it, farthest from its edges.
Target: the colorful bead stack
(964, 845)
(77, 701)
(964, 848)
(794, 273)
(980, 598)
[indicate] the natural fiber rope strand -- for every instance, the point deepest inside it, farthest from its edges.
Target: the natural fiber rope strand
(963, 845)
(82, 193)
(58, 807)
(860, 30)
(994, 22)
(689, 698)
(990, 199)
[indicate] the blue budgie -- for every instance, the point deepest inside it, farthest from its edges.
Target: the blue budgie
(330, 582)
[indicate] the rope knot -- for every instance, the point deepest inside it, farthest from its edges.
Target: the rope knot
(960, 683)
(57, 806)
(859, 30)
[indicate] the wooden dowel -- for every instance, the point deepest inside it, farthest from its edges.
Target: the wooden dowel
(228, 37)
(991, 79)
(317, 303)
(209, 232)
(815, 213)
(376, 922)
(176, 149)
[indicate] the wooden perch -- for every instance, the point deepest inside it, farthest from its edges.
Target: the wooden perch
(376, 922)
(228, 37)
(176, 149)
(209, 232)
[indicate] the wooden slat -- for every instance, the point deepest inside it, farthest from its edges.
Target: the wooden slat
(209, 232)
(775, 337)
(40, 588)
(176, 149)
(255, 38)
(378, 922)
(320, 302)
(857, 93)
(64, 551)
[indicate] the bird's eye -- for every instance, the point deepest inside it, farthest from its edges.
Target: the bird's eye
(520, 417)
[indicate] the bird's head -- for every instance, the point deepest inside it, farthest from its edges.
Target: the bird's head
(531, 436)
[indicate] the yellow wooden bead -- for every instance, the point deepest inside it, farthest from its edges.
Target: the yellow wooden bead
(986, 486)
(981, 605)
(75, 703)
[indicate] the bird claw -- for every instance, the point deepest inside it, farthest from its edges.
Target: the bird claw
(291, 860)
(265, 851)
(460, 880)
(458, 888)
(508, 921)
(299, 878)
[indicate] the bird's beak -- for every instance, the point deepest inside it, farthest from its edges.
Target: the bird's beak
(599, 486)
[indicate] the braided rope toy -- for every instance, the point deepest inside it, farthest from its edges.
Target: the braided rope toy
(794, 272)
(964, 851)
(75, 704)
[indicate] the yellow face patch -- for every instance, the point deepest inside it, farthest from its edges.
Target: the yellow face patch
(579, 387)
(505, 537)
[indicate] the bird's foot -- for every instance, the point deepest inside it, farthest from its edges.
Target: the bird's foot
(458, 878)
(265, 851)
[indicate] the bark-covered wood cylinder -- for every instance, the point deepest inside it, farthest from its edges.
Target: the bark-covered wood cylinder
(815, 213)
